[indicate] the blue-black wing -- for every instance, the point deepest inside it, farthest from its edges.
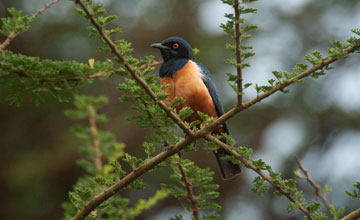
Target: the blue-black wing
(228, 169)
(210, 84)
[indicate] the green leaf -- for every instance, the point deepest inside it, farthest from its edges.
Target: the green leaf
(137, 184)
(314, 206)
(326, 189)
(292, 207)
(185, 112)
(232, 77)
(356, 192)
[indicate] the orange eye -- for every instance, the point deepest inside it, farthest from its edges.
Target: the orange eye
(175, 46)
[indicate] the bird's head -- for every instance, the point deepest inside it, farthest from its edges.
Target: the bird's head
(174, 47)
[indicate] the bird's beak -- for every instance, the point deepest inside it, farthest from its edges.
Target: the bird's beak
(159, 46)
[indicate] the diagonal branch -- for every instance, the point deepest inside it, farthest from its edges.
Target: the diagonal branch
(265, 177)
(238, 51)
(313, 183)
(12, 35)
(190, 194)
(132, 70)
(97, 200)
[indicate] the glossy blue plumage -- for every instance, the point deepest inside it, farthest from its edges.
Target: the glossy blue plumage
(210, 85)
(170, 67)
(180, 71)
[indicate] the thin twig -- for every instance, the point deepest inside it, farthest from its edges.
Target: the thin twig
(238, 51)
(354, 215)
(12, 35)
(190, 194)
(313, 184)
(265, 177)
(95, 137)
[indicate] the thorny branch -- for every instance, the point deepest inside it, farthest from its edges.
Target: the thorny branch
(238, 51)
(192, 136)
(132, 70)
(12, 35)
(265, 177)
(313, 183)
(190, 194)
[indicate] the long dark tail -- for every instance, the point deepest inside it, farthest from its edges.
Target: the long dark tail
(227, 168)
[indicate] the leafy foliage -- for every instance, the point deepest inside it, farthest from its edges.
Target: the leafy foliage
(22, 76)
(16, 24)
(356, 192)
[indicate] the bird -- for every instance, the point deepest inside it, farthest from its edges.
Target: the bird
(191, 80)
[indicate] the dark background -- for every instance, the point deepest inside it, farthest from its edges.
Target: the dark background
(319, 120)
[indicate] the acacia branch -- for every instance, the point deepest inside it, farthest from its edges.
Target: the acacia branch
(190, 195)
(132, 70)
(132, 176)
(12, 35)
(265, 177)
(95, 137)
(238, 51)
(313, 184)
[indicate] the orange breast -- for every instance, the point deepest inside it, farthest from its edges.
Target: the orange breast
(187, 84)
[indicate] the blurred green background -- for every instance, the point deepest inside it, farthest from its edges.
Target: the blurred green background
(319, 120)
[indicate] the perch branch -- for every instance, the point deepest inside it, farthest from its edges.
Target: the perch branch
(97, 200)
(132, 70)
